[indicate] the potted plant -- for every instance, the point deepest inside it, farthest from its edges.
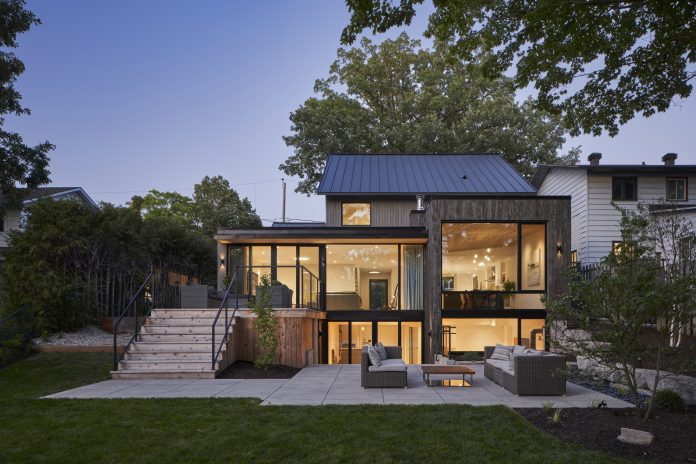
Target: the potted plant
(281, 295)
(508, 286)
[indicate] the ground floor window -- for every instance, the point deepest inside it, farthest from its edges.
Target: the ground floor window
(472, 334)
(346, 339)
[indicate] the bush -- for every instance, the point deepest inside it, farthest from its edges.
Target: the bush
(669, 400)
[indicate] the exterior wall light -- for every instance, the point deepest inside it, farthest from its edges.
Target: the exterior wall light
(559, 249)
(222, 262)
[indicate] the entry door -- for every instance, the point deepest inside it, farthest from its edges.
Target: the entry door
(379, 293)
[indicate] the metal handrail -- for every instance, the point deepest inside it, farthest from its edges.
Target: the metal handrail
(302, 269)
(136, 326)
(228, 320)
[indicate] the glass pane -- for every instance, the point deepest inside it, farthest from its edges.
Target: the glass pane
(260, 265)
(412, 277)
(309, 260)
(286, 271)
(361, 336)
(388, 333)
(533, 257)
(525, 301)
(339, 349)
(533, 333)
(478, 257)
(356, 214)
(411, 342)
(236, 260)
(463, 335)
(350, 270)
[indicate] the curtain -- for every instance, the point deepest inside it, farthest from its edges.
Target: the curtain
(413, 277)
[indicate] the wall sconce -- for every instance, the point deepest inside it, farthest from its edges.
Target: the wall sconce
(559, 248)
(222, 262)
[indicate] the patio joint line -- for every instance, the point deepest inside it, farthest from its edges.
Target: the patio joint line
(331, 386)
(271, 394)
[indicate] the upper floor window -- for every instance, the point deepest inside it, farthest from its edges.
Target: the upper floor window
(624, 189)
(355, 214)
(574, 256)
(676, 188)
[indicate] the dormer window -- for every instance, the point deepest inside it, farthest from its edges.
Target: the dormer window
(624, 189)
(355, 214)
(677, 189)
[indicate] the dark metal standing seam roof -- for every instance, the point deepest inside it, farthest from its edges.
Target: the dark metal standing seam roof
(445, 174)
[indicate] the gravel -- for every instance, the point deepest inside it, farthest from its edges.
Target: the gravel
(89, 336)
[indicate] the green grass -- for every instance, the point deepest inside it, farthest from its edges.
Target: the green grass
(233, 430)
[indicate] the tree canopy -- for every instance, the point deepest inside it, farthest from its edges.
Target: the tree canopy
(598, 62)
(19, 163)
(397, 97)
(214, 205)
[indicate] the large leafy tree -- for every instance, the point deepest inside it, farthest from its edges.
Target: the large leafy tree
(396, 97)
(170, 205)
(217, 205)
(597, 62)
(19, 163)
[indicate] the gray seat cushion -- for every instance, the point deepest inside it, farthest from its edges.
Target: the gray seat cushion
(393, 362)
(497, 363)
(388, 368)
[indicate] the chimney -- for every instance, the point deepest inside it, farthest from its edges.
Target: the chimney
(669, 159)
(594, 158)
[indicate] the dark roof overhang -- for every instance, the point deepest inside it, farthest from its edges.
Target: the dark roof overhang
(322, 235)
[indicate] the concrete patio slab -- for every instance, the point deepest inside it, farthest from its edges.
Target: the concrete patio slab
(338, 384)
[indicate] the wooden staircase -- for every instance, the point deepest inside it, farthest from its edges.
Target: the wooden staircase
(175, 344)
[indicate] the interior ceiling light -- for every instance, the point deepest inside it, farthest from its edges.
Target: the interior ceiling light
(488, 250)
(481, 264)
(374, 272)
(303, 258)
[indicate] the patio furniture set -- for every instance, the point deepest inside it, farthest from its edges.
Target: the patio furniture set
(515, 368)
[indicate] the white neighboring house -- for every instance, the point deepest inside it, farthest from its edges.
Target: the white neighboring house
(15, 218)
(594, 187)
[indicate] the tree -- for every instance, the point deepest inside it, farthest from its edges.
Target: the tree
(597, 62)
(19, 163)
(171, 205)
(638, 302)
(397, 97)
(217, 205)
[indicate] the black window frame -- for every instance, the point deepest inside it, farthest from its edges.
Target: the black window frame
(622, 197)
(686, 188)
(352, 203)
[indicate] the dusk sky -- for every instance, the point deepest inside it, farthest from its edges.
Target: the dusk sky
(150, 94)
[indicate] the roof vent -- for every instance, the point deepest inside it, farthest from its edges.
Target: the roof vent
(419, 203)
(594, 158)
(669, 159)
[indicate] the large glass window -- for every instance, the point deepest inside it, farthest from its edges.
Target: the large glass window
(309, 278)
(462, 335)
(260, 266)
(388, 333)
(624, 189)
(361, 335)
(236, 262)
(412, 257)
(533, 257)
(355, 214)
(287, 273)
(532, 331)
(339, 347)
(411, 342)
(361, 277)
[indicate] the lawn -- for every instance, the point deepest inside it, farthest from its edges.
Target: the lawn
(233, 430)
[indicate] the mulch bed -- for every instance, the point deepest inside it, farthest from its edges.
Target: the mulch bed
(247, 370)
(675, 434)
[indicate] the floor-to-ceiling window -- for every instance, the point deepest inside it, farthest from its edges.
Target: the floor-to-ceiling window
(286, 272)
(346, 339)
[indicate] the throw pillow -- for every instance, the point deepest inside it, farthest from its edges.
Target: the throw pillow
(374, 356)
(518, 349)
(381, 351)
(501, 353)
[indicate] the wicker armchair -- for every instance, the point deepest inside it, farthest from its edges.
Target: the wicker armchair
(532, 374)
(382, 379)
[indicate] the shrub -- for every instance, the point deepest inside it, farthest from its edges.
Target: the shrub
(264, 324)
(669, 400)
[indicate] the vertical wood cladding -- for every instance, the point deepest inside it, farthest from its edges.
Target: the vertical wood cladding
(554, 211)
(383, 212)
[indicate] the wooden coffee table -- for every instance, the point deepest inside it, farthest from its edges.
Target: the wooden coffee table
(439, 369)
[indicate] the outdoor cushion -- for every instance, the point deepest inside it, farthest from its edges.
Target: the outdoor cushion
(388, 368)
(381, 351)
(501, 353)
(519, 349)
(374, 357)
(393, 362)
(497, 363)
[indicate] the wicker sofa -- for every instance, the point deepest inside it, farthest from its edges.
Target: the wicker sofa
(392, 374)
(539, 373)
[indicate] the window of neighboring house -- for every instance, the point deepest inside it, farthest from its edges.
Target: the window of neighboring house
(624, 189)
(574, 256)
(620, 247)
(677, 189)
(23, 218)
(355, 214)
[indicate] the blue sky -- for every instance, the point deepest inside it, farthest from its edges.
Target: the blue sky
(157, 94)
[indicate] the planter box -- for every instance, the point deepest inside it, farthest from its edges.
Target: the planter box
(281, 296)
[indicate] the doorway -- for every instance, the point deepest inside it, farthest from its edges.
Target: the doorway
(379, 294)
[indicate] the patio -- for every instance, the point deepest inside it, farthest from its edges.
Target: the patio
(337, 384)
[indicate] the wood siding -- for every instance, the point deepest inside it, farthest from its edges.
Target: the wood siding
(295, 334)
(554, 211)
(572, 182)
(383, 212)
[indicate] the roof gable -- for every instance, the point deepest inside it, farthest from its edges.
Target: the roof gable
(433, 174)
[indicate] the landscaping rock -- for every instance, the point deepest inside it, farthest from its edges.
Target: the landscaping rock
(635, 437)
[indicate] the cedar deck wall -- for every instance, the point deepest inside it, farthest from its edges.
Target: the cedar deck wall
(294, 333)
